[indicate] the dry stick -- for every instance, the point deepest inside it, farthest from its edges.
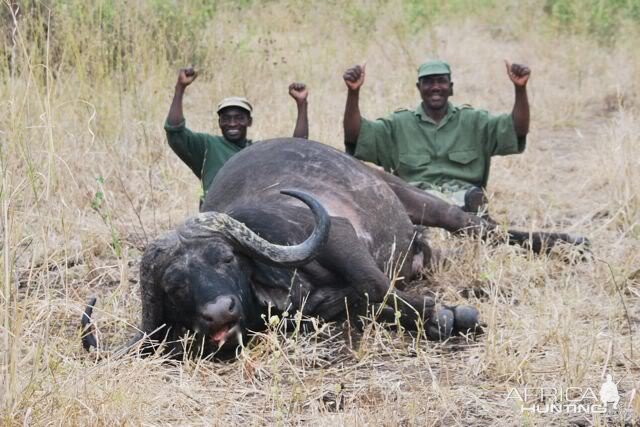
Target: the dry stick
(606, 361)
(153, 205)
(135, 211)
(5, 293)
(346, 307)
(150, 172)
(48, 109)
(624, 306)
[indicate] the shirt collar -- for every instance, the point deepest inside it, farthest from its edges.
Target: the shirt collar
(242, 144)
(451, 110)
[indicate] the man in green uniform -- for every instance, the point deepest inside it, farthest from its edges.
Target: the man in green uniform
(204, 153)
(438, 147)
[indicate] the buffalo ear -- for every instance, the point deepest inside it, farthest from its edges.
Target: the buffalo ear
(156, 258)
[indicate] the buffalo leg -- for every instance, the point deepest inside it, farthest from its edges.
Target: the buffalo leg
(428, 210)
(346, 255)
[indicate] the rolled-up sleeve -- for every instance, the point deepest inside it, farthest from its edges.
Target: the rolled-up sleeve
(375, 143)
(188, 145)
(501, 135)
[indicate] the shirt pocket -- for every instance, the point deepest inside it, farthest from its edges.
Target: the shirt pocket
(465, 165)
(412, 166)
(464, 157)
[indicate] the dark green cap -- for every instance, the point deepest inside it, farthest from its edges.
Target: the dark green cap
(433, 67)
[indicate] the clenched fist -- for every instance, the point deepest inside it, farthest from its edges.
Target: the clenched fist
(354, 77)
(518, 73)
(299, 92)
(186, 76)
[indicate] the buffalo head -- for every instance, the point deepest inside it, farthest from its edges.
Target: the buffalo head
(197, 279)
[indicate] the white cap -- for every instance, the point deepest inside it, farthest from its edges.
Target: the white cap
(235, 101)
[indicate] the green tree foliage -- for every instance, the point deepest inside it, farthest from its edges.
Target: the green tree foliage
(425, 12)
(601, 18)
(100, 37)
(175, 27)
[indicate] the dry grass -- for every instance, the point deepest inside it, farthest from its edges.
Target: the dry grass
(87, 180)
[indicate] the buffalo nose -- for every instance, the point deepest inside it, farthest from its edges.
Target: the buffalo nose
(223, 310)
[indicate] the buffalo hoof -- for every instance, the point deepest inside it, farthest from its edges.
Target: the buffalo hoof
(580, 240)
(583, 243)
(466, 319)
(440, 327)
(580, 246)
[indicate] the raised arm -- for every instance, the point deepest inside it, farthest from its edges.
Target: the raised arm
(186, 76)
(353, 78)
(299, 93)
(519, 75)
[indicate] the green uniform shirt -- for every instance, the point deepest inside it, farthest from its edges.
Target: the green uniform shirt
(203, 153)
(452, 155)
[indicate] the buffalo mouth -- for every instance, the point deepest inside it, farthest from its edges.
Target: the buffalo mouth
(226, 335)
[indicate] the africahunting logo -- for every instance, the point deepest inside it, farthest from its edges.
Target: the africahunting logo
(572, 400)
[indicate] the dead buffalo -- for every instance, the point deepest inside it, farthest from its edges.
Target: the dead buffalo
(220, 271)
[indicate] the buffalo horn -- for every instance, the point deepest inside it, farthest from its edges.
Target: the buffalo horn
(258, 248)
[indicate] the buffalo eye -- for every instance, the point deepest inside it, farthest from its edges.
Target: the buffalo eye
(226, 259)
(174, 287)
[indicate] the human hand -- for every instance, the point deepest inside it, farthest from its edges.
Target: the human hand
(186, 76)
(298, 92)
(354, 77)
(518, 73)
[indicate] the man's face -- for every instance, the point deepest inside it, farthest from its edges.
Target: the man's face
(233, 122)
(435, 90)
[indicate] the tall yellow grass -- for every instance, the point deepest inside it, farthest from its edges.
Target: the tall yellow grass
(87, 180)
